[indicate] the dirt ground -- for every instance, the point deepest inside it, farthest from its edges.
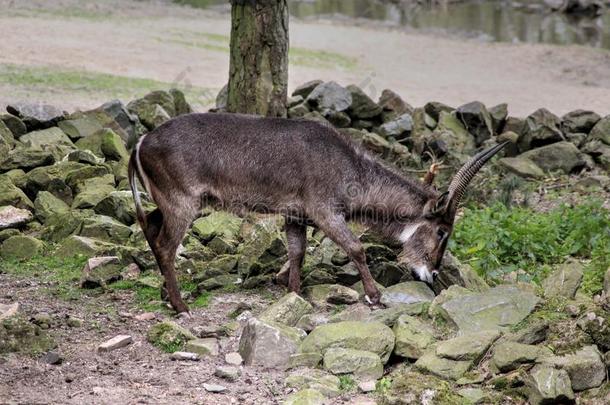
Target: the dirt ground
(138, 373)
(155, 40)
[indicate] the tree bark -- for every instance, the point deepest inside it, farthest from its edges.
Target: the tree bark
(258, 73)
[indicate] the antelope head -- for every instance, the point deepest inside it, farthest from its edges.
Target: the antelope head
(425, 238)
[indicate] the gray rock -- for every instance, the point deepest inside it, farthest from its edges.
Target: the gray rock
(601, 131)
(542, 128)
(306, 396)
(330, 96)
(369, 336)
(471, 346)
(441, 367)
(413, 337)
(311, 360)
(579, 121)
(393, 103)
(214, 388)
(388, 316)
(268, 344)
(409, 292)
(321, 294)
(116, 342)
(477, 120)
(181, 106)
(522, 167)
(453, 272)
(233, 359)
(203, 346)
(362, 107)
(562, 156)
(184, 356)
(585, 367)
(564, 281)
(101, 271)
(364, 365)
(548, 385)
(46, 137)
(287, 310)
(367, 386)
(356, 312)
(52, 358)
(305, 89)
(36, 116)
(227, 372)
(20, 247)
(80, 127)
(508, 356)
(12, 217)
(14, 124)
(26, 159)
(326, 384)
(498, 308)
(498, 116)
(434, 109)
(398, 128)
(311, 321)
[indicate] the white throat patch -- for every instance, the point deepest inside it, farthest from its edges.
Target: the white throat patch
(408, 232)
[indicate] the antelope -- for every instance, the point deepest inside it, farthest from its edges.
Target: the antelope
(306, 171)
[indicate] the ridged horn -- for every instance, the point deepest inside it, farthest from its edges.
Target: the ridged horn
(460, 181)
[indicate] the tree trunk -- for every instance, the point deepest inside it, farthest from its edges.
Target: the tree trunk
(258, 74)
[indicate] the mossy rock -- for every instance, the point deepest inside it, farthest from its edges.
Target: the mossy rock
(19, 335)
(47, 205)
(104, 143)
(11, 195)
(20, 247)
(169, 336)
(410, 387)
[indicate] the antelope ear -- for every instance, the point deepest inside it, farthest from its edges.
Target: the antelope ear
(436, 208)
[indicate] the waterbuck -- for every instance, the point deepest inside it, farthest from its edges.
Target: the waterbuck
(306, 171)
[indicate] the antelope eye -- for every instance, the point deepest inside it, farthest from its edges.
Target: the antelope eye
(441, 234)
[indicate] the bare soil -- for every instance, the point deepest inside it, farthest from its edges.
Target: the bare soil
(154, 39)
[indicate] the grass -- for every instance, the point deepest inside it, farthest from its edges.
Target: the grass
(50, 78)
(497, 240)
(60, 274)
(297, 56)
(347, 383)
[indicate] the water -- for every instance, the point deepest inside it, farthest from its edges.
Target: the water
(492, 20)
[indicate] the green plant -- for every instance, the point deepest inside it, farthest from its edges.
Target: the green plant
(383, 385)
(346, 383)
(497, 240)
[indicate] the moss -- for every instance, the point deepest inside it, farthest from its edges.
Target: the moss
(169, 336)
(19, 335)
(409, 386)
(347, 383)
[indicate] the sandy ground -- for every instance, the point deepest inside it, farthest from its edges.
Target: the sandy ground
(140, 39)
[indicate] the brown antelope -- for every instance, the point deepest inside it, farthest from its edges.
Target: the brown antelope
(307, 172)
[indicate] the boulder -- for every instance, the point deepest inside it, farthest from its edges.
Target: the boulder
(169, 336)
(151, 115)
(80, 127)
(89, 247)
(268, 344)
(309, 322)
(564, 281)
(409, 292)
(522, 167)
(17, 334)
(35, 115)
(325, 383)
(12, 217)
(471, 346)
(496, 309)
(203, 346)
(20, 247)
(601, 130)
(600, 153)
(547, 385)
(101, 271)
(398, 128)
(411, 387)
(362, 107)
(477, 120)
(508, 356)
(597, 326)
(585, 367)
(442, 367)
(393, 103)
(413, 337)
(389, 316)
(304, 360)
(369, 336)
(118, 205)
(434, 109)
(218, 223)
(106, 144)
(330, 293)
(26, 159)
(579, 121)
(330, 96)
(453, 272)
(14, 124)
(562, 156)
(92, 194)
(364, 365)
(47, 205)
(105, 228)
(305, 89)
(450, 136)
(46, 137)
(181, 106)
(287, 310)
(498, 113)
(11, 195)
(541, 128)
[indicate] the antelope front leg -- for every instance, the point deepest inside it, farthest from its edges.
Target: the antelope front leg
(335, 227)
(296, 234)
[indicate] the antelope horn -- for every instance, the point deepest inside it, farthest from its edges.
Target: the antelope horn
(464, 176)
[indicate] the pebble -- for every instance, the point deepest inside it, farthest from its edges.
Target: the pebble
(233, 359)
(115, 343)
(146, 316)
(52, 358)
(227, 372)
(184, 356)
(367, 386)
(74, 322)
(214, 388)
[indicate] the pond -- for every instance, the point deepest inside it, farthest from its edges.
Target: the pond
(492, 20)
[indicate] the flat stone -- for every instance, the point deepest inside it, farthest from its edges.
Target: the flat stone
(184, 356)
(389, 316)
(321, 381)
(268, 344)
(564, 281)
(413, 337)
(100, 271)
(471, 346)
(363, 364)
(287, 310)
(441, 367)
(548, 385)
(585, 367)
(522, 167)
(367, 386)
(204, 346)
(509, 356)
(227, 372)
(214, 388)
(409, 292)
(12, 217)
(498, 308)
(116, 342)
(233, 359)
(304, 360)
(52, 358)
